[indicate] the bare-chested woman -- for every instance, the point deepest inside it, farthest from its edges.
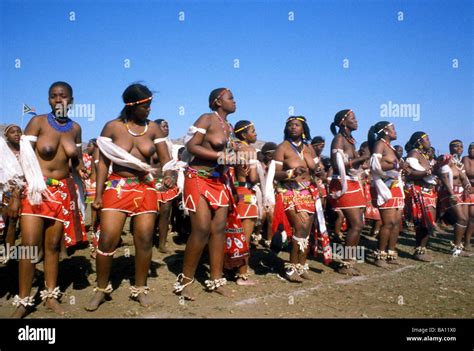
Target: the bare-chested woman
(422, 195)
(455, 195)
(91, 159)
(49, 212)
(468, 162)
(318, 143)
(165, 195)
(345, 188)
(246, 179)
(205, 195)
(385, 168)
(296, 189)
(129, 141)
(12, 135)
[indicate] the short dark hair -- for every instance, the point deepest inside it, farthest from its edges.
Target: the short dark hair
(61, 84)
(317, 140)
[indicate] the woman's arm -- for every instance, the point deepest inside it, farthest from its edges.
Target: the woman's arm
(102, 169)
(194, 146)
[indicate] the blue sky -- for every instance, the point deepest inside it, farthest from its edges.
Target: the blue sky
(282, 63)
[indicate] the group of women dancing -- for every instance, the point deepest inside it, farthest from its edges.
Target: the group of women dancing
(233, 194)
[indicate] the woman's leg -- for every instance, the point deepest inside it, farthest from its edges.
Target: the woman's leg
(460, 228)
(216, 248)
(197, 241)
(392, 241)
(52, 247)
(301, 223)
(163, 225)
(31, 236)
(242, 277)
(143, 227)
(269, 219)
(111, 223)
(421, 240)
(470, 229)
(354, 217)
(338, 225)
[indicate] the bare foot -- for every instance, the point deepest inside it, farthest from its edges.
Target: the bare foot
(395, 262)
(245, 282)
(164, 250)
(225, 291)
(55, 306)
(305, 275)
(381, 263)
(187, 293)
(294, 277)
(62, 254)
(347, 270)
(468, 248)
(19, 312)
(423, 257)
(144, 300)
(95, 301)
(465, 254)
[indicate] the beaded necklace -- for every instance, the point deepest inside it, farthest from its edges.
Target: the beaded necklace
(350, 139)
(295, 147)
(390, 146)
(133, 133)
(62, 128)
(231, 130)
(457, 162)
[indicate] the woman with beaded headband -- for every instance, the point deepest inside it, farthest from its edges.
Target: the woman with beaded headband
(468, 162)
(293, 167)
(455, 194)
(165, 194)
(385, 167)
(49, 212)
(371, 212)
(12, 135)
(129, 142)
(205, 195)
(246, 187)
(318, 143)
(346, 193)
(421, 192)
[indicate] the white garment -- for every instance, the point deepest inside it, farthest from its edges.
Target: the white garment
(269, 193)
(447, 169)
(169, 144)
(10, 168)
(383, 192)
(32, 170)
(120, 156)
(415, 164)
(187, 157)
(340, 157)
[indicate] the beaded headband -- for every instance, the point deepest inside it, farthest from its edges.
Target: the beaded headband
(245, 127)
(219, 96)
(9, 127)
(139, 101)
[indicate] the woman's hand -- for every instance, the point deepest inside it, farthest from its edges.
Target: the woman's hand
(13, 207)
(169, 182)
(300, 170)
(97, 204)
